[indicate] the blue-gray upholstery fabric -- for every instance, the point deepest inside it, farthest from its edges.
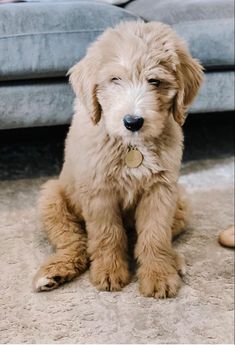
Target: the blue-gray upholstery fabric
(114, 2)
(46, 39)
(206, 25)
(44, 103)
(40, 41)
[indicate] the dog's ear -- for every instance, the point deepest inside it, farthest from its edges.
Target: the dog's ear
(82, 77)
(190, 77)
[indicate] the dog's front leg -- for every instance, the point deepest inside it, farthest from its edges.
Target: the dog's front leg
(158, 262)
(107, 244)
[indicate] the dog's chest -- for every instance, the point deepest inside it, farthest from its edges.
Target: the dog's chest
(129, 183)
(130, 190)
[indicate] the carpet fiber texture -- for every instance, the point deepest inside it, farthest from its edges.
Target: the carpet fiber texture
(203, 311)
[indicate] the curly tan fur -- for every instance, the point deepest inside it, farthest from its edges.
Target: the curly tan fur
(97, 188)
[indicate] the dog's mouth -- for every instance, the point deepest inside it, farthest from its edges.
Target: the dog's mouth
(133, 139)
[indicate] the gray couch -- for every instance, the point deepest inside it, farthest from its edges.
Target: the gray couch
(41, 40)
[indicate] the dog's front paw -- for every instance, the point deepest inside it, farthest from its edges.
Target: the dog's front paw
(161, 281)
(109, 276)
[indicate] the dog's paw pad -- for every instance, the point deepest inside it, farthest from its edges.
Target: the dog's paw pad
(44, 284)
(52, 275)
(45, 281)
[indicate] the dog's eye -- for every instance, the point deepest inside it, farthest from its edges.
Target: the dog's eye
(155, 82)
(115, 79)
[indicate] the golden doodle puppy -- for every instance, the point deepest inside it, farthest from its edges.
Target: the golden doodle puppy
(122, 160)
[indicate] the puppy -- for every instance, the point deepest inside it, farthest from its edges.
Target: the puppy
(122, 160)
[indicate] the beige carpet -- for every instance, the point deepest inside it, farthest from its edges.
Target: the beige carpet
(77, 313)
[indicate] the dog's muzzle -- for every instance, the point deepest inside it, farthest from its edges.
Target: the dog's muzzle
(133, 123)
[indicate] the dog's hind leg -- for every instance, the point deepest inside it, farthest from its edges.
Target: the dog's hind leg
(65, 234)
(180, 223)
(182, 213)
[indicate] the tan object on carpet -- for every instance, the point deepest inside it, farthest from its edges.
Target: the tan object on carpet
(227, 237)
(78, 313)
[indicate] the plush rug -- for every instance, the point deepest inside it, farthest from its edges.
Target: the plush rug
(203, 311)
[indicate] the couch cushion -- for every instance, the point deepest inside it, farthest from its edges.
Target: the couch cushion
(46, 102)
(113, 2)
(207, 26)
(46, 39)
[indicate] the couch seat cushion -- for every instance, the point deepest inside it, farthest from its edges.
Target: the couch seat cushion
(207, 26)
(46, 39)
(31, 103)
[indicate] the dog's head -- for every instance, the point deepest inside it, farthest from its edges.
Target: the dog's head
(135, 76)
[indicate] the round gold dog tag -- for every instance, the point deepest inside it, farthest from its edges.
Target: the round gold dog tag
(133, 158)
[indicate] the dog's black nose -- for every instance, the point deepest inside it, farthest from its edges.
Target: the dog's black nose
(133, 122)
